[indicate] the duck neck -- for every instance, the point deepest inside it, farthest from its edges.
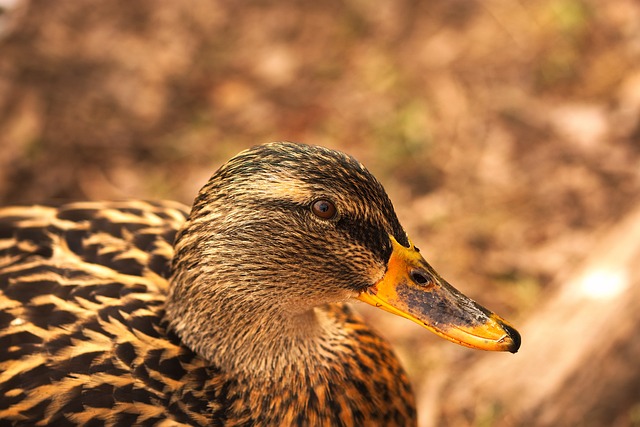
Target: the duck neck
(246, 337)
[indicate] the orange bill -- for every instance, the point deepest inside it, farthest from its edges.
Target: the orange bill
(412, 289)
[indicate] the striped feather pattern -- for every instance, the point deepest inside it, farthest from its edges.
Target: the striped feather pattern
(83, 338)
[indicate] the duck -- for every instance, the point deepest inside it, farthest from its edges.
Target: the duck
(234, 312)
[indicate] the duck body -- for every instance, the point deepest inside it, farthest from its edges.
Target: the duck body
(83, 338)
(232, 313)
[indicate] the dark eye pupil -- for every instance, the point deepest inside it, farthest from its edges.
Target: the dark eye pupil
(324, 209)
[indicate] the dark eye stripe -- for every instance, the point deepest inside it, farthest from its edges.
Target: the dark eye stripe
(369, 234)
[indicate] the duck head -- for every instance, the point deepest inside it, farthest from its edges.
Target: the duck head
(282, 229)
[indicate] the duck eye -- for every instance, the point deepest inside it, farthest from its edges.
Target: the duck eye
(323, 208)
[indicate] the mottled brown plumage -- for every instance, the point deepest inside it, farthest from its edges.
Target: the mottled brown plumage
(104, 321)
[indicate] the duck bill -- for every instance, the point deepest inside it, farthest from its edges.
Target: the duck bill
(412, 289)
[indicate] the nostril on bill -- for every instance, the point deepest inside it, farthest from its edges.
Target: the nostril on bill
(421, 277)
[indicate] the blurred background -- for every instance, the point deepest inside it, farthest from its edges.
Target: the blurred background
(506, 133)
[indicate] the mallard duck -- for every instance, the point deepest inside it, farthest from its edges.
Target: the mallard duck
(140, 313)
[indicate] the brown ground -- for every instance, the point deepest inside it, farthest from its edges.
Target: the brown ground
(507, 133)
